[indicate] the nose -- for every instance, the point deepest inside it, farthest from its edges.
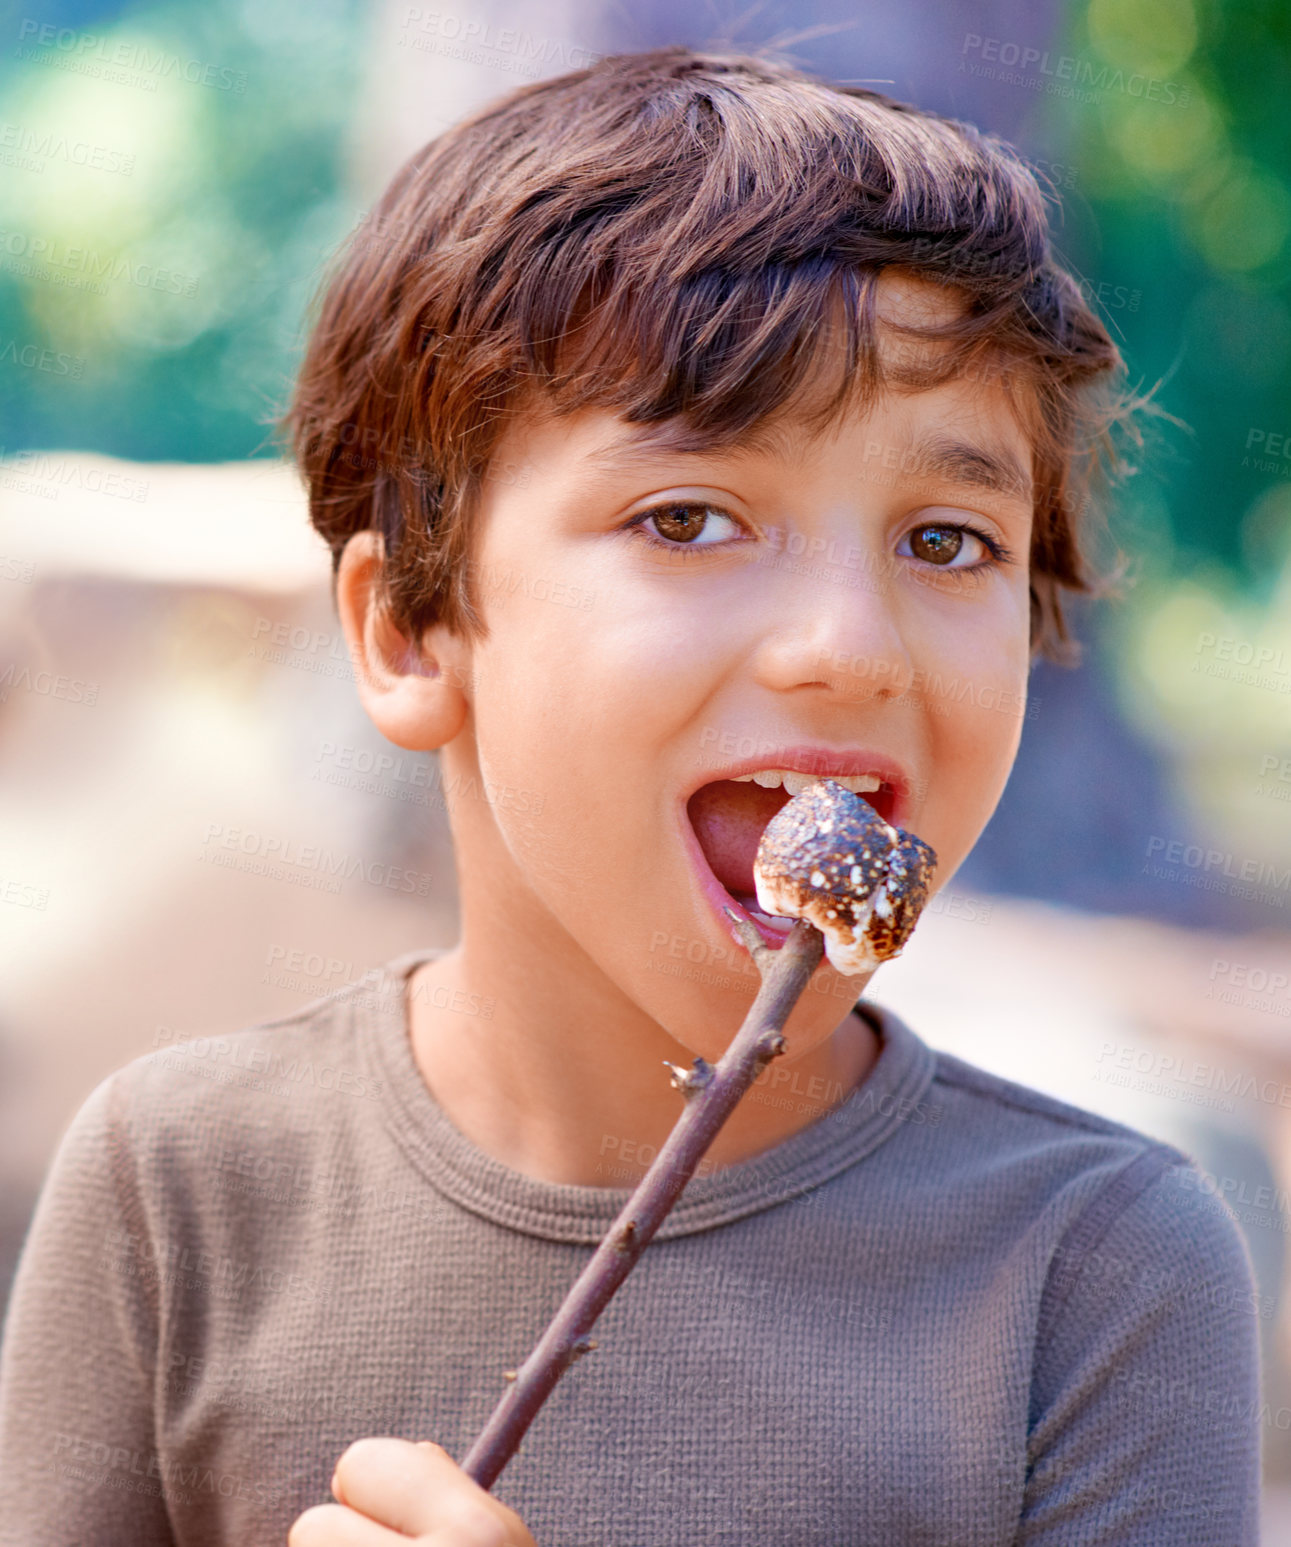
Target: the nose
(835, 625)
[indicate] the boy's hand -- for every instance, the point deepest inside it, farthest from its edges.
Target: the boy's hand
(392, 1490)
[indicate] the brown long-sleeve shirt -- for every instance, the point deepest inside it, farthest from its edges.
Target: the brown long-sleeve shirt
(950, 1310)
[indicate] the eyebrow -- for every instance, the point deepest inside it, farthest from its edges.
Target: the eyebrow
(966, 462)
(945, 458)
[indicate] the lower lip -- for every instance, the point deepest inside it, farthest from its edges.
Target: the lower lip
(718, 897)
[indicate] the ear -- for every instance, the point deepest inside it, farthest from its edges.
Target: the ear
(412, 691)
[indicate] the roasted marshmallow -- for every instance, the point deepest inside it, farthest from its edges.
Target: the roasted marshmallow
(828, 857)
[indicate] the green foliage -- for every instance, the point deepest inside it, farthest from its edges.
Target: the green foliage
(172, 277)
(1186, 200)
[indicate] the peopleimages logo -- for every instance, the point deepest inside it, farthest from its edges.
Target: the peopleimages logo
(1171, 1074)
(86, 53)
(72, 690)
(34, 358)
(1193, 856)
(1061, 75)
(473, 34)
(45, 473)
(31, 149)
(43, 257)
(1244, 652)
(309, 864)
(101, 1464)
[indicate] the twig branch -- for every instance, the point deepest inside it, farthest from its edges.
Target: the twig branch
(711, 1093)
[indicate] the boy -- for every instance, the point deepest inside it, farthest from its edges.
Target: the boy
(678, 420)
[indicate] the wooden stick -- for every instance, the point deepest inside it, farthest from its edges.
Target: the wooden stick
(711, 1093)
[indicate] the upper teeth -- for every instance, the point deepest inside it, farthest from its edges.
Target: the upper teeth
(795, 783)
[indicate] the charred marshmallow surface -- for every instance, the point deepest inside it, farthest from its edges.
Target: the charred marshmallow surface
(828, 857)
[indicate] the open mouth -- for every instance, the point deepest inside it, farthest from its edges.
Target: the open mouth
(728, 818)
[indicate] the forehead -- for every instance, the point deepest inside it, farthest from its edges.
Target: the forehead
(952, 433)
(945, 419)
(902, 297)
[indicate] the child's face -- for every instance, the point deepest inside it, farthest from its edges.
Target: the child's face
(808, 610)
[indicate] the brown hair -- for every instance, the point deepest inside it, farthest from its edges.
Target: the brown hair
(677, 235)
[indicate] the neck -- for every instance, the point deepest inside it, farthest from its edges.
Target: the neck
(564, 1082)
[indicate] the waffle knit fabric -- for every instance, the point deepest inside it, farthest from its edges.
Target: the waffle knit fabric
(951, 1310)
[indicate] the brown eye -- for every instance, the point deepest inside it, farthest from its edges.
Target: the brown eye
(680, 523)
(936, 544)
(957, 547)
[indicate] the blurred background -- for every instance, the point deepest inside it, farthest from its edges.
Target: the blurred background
(175, 689)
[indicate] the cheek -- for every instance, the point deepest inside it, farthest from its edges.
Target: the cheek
(978, 625)
(975, 668)
(580, 709)
(986, 682)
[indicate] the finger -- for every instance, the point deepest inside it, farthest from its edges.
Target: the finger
(417, 1489)
(332, 1525)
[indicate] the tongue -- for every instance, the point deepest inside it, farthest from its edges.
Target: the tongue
(729, 818)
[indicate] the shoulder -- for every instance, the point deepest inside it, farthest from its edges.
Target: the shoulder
(1019, 1108)
(1157, 1244)
(1133, 1220)
(1095, 1197)
(1145, 1381)
(997, 1122)
(305, 1073)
